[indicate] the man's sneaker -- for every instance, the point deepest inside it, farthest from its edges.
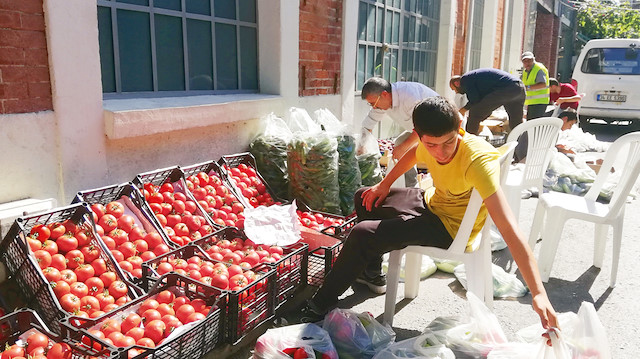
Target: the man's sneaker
(310, 313)
(376, 283)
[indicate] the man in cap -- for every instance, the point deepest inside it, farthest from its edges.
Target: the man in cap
(536, 81)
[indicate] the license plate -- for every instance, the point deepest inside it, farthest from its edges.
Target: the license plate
(612, 98)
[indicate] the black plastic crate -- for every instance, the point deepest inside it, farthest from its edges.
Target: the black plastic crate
(194, 342)
(338, 231)
(134, 203)
(15, 325)
(212, 168)
(321, 261)
(175, 176)
(22, 267)
(150, 274)
(291, 269)
(230, 161)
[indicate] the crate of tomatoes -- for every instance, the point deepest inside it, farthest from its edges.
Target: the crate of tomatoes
(24, 335)
(173, 206)
(231, 245)
(62, 268)
(178, 318)
(330, 224)
(250, 292)
(242, 170)
(125, 226)
(209, 185)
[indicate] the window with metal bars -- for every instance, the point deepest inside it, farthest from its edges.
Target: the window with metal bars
(181, 46)
(397, 40)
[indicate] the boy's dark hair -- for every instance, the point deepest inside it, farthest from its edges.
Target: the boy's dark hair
(375, 86)
(571, 115)
(435, 116)
(553, 82)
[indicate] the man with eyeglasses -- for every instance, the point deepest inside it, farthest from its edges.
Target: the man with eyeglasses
(397, 101)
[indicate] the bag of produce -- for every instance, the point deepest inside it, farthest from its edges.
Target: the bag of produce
(270, 152)
(349, 177)
(357, 335)
(425, 346)
(312, 161)
(369, 159)
(295, 341)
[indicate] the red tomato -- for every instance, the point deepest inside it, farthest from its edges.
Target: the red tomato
(68, 276)
(184, 311)
(137, 233)
(79, 289)
(165, 297)
(155, 330)
(128, 249)
(14, 351)
(59, 351)
(43, 258)
(151, 314)
(108, 222)
(84, 238)
(164, 267)
(109, 242)
(66, 243)
(95, 285)
(132, 320)
(237, 282)
(61, 288)
(165, 308)
(40, 232)
(118, 289)
(89, 304)
(115, 209)
(119, 236)
(90, 253)
(146, 342)
(84, 272)
(57, 230)
(110, 326)
(34, 244)
(126, 222)
(36, 340)
(52, 274)
(99, 266)
(148, 304)
(74, 259)
(194, 317)
(70, 302)
(136, 333)
(98, 209)
(49, 246)
(105, 299)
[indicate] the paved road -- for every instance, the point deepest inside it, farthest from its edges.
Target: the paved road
(573, 280)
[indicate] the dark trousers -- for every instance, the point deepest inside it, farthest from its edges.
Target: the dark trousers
(402, 220)
(511, 97)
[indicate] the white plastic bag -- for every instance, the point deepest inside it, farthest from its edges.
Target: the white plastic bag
(399, 182)
(427, 267)
(480, 335)
(298, 120)
(505, 285)
(273, 225)
(314, 340)
(425, 346)
(357, 335)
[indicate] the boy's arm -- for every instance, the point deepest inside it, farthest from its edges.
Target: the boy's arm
(375, 195)
(508, 226)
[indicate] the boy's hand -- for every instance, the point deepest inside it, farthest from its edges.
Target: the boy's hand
(374, 196)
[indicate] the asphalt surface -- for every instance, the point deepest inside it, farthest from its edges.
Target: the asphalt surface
(573, 280)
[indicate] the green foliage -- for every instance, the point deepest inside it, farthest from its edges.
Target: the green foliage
(608, 20)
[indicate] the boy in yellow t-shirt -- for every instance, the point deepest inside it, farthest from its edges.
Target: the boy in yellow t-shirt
(393, 218)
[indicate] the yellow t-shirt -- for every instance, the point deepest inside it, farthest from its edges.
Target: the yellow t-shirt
(475, 165)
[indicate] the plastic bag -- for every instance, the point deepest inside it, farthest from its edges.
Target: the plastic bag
(357, 335)
(505, 285)
(349, 176)
(298, 120)
(270, 151)
(425, 346)
(399, 182)
(313, 339)
(369, 159)
(427, 268)
(312, 162)
(446, 265)
(480, 335)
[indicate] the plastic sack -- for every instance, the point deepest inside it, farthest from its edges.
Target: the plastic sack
(425, 346)
(480, 335)
(357, 335)
(270, 151)
(369, 159)
(427, 268)
(446, 265)
(313, 339)
(312, 162)
(399, 182)
(349, 176)
(505, 285)
(298, 120)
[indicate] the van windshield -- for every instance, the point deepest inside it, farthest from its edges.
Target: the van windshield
(614, 61)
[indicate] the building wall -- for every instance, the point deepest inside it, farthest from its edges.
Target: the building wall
(500, 21)
(460, 36)
(320, 47)
(545, 47)
(25, 85)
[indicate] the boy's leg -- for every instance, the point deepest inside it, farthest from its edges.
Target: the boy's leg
(370, 239)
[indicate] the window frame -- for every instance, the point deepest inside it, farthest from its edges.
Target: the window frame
(113, 6)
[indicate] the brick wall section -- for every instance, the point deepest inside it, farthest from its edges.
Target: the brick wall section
(545, 46)
(459, 37)
(25, 84)
(497, 53)
(320, 47)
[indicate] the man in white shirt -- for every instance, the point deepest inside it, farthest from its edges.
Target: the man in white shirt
(397, 101)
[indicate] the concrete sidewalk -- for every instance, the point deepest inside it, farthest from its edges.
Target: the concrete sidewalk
(573, 280)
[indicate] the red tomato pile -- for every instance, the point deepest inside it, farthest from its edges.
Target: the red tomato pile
(151, 323)
(216, 274)
(245, 178)
(245, 254)
(216, 199)
(128, 242)
(301, 353)
(176, 213)
(37, 346)
(72, 264)
(317, 221)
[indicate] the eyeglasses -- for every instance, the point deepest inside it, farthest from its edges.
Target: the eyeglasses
(376, 103)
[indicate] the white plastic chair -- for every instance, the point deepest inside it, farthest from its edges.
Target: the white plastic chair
(477, 262)
(559, 207)
(542, 137)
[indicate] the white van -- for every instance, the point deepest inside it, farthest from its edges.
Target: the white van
(608, 72)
